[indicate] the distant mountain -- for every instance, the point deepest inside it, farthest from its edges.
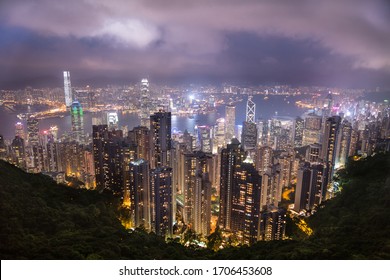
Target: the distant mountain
(42, 220)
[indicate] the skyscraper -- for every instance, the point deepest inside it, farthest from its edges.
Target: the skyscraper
(101, 158)
(312, 130)
(161, 139)
(67, 89)
(329, 149)
(250, 110)
(197, 192)
(219, 135)
(246, 202)
(77, 118)
(308, 192)
(112, 120)
(19, 130)
(343, 144)
(273, 224)
(249, 136)
(18, 152)
(249, 129)
(298, 132)
(145, 108)
(313, 153)
(32, 131)
(140, 137)
(162, 215)
(205, 138)
(231, 158)
(140, 193)
(264, 157)
(230, 118)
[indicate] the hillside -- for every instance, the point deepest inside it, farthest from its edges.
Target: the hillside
(42, 220)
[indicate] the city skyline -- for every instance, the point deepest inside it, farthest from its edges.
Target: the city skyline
(256, 42)
(211, 124)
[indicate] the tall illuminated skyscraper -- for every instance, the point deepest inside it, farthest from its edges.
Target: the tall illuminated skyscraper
(145, 96)
(249, 136)
(77, 118)
(32, 131)
(162, 215)
(67, 89)
(197, 192)
(249, 129)
(246, 202)
(329, 148)
(308, 192)
(140, 193)
(298, 132)
(312, 130)
(205, 138)
(250, 110)
(100, 143)
(343, 144)
(140, 137)
(231, 157)
(230, 120)
(19, 130)
(161, 139)
(112, 120)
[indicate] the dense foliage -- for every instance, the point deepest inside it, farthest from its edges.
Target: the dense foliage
(42, 220)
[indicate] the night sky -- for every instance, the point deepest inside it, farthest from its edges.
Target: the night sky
(303, 42)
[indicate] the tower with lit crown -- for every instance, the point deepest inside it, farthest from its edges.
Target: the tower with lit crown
(77, 118)
(67, 89)
(145, 110)
(249, 129)
(250, 110)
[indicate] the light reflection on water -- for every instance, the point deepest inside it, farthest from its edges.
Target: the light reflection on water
(264, 109)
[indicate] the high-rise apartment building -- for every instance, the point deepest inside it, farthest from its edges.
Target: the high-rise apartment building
(249, 136)
(246, 202)
(140, 136)
(205, 134)
(18, 152)
(162, 216)
(343, 144)
(197, 192)
(231, 157)
(140, 200)
(329, 148)
(308, 192)
(230, 120)
(32, 131)
(161, 139)
(298, 131)
(312, 130)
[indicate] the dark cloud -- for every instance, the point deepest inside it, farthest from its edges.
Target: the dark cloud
(308, 42)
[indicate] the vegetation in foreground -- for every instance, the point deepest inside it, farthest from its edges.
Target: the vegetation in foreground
(42, 220)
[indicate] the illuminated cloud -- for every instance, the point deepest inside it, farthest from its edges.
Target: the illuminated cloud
(203, 37)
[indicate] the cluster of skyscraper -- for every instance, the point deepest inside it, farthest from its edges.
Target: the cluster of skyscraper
(171, 182)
